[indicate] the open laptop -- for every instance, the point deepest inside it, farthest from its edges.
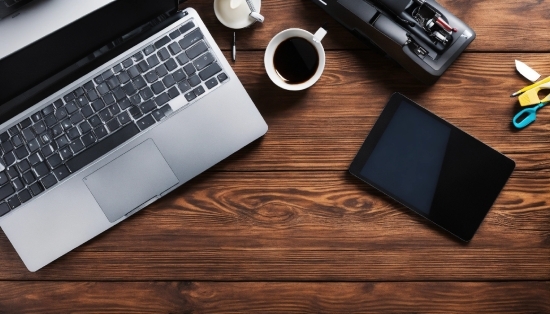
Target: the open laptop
(105, 115)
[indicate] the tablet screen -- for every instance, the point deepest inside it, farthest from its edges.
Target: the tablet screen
(432, 167)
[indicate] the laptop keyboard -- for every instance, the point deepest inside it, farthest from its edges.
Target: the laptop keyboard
(121, 101)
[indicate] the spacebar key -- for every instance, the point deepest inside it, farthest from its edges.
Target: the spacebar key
(103, 147)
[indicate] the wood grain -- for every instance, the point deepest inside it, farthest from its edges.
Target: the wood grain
(264, 297)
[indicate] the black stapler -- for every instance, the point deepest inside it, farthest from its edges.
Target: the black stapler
(421, 35)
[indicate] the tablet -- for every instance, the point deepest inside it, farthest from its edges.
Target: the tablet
(432, 167)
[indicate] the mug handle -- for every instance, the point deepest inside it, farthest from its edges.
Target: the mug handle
(319, 34)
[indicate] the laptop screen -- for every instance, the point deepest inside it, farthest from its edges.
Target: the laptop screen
(41, 68)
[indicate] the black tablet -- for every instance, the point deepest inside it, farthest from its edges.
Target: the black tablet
(432, 167)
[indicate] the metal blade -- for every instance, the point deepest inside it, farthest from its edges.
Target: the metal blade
(526, 71)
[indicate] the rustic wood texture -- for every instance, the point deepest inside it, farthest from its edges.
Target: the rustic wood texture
(281, 225)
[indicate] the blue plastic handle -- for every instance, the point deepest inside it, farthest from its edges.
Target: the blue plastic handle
(526, 116)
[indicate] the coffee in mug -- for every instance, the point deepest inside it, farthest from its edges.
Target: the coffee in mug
(295, 59)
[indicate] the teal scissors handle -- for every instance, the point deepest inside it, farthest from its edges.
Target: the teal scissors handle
(526, 116)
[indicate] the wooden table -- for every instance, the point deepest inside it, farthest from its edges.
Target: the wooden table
(282, 226)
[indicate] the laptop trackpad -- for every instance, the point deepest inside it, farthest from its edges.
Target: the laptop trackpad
(130, 180)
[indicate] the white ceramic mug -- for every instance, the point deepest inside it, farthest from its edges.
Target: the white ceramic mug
(314, 39)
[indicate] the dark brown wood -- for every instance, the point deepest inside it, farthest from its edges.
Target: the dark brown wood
(281, 225)
(269, 297)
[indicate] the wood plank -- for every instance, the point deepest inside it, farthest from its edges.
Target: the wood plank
(323, 127)
(311, 226)
(509, 26)
(275, 297)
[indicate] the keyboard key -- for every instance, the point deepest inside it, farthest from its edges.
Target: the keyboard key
(168, 80)
(143, 66)
(4, 209)
(23, 166)
(157, 87)
(139, 82)
(209, 71)
(203, 61)
(7, 147)
(135, 99)
(58, 103)
(161, 70)
(163, 54)
(50, 120)
(41, 169)
(87, 111)
(61, 172)
(125, 103)
(173, 92)
(179, 75)
(146, 93)
(94, 120)
(186, 27)
(107, 74)
(36, 117)
(158, 114)
(161, 42)
(184, 86)
(57, 130)
(76, 118)
(4, 137)
(114, 109)
(149, 50)
(98, 79)
(151, 76)
(65, 153)
(113, 125)
(103, 147)
(6, 191)
(79, 92)
(61, 113)
(191, 38)
(174, 48)
(3, 178)
(44, 138)
(112, 82)
(54, 161)
(105, 115)
(127, 63)
(182, 58)
(25, 123)
(77, 145)
(166, 109)
(82, 101)
(36, 188)
(123, 118)
(174, 34)
(196, 50)
(12, 172)
(66, 124)
(13, 130)
(170, 65)
(9, 158)
(49, 109)
(71, 107)
(135, 112)
(28, 177)
(133, 71)
(88, 139)
(74, 133)
(129, 89)
(194, 80)
(147, 106)
(190, 96)
(137, 57)
(62, 141)
(211, 83)
(153, 61)
(48, 181)
(119, 94)
(162, 99)
(88, 86)
(103, 88)
(70, 96)
(199, 90)
(47, 150)
(18, 185)
(109, 99)
(21, 152)
(100, 132)
(189, 69)
(34, 159)
(14, 202)
(124, 77)
(145, 122)
(92, 95)
(24, 195)
(117, 68)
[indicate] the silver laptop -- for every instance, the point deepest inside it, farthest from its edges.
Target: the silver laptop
(107, 114)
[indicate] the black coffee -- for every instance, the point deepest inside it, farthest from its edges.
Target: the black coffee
(296, 60)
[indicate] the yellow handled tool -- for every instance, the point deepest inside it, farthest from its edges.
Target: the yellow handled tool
(529, 95)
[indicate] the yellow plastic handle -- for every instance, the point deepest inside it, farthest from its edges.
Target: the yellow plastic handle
(531, 96)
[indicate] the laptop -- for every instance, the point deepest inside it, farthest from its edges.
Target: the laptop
(106, 114)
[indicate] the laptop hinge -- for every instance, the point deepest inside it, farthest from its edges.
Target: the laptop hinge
(179, 4)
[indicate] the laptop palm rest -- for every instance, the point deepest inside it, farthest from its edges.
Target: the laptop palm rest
(131, 180)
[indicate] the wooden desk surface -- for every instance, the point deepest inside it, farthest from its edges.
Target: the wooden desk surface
(282, 226)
